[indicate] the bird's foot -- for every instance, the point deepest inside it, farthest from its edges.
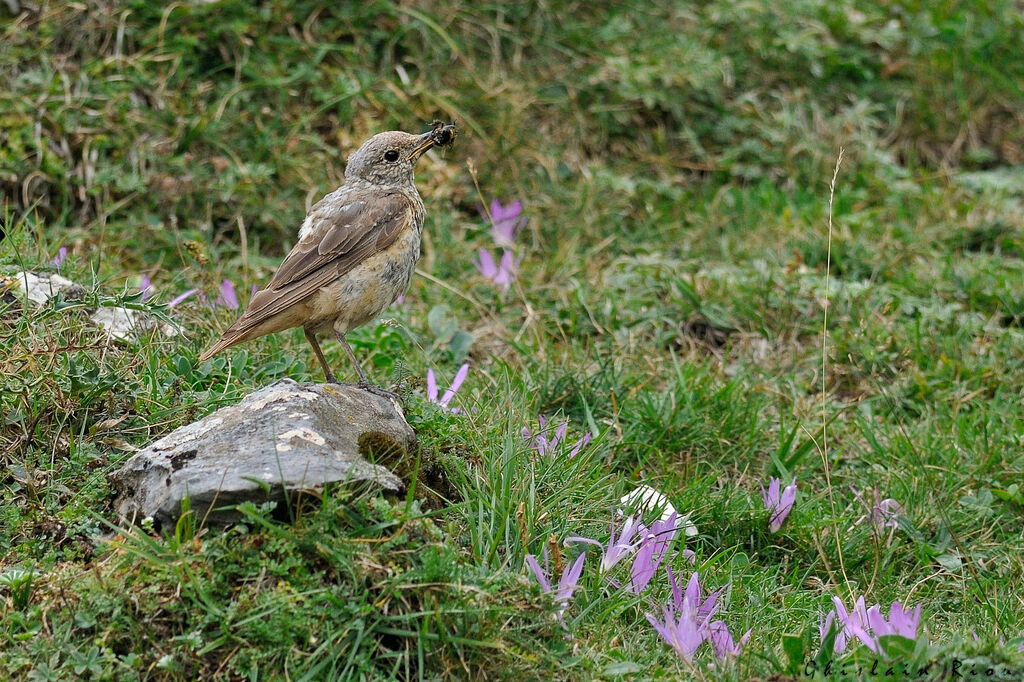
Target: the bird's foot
(377, 390)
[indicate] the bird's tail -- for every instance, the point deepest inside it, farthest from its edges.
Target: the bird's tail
(216, 348)
(244, 328)
(228, 339)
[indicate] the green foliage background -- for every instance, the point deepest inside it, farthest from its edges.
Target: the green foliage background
(674, 162)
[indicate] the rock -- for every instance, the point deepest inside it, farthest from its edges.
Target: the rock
(281, 440)
(119, 323)
(123, 323)
(40, 287)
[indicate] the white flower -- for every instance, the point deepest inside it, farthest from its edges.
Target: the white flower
(646, 499)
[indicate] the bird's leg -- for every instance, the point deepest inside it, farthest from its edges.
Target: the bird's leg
(364, 383)
(328, 374)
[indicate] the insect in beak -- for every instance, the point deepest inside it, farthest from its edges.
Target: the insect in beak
(441, 135)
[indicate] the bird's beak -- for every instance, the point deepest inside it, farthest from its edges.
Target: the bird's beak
(426, 142)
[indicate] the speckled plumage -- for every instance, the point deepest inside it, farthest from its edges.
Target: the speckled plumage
(356, 252)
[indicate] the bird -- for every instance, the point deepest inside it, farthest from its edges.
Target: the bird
(355, 255)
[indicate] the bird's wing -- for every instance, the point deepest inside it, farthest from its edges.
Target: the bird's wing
(342, 235)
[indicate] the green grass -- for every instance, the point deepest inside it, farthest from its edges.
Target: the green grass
(674, 165)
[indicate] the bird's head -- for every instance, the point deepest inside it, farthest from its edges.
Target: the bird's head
(388, 158)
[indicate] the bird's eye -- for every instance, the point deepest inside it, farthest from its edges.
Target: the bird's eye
(391, 155)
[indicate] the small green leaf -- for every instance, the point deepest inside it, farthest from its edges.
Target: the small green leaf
(460, 345)
(795, 650)
(85, 621)
(441, 323)
(182, 366)
(896, 647)
(622, 668)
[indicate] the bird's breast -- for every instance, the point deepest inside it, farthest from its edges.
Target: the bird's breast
(365, 291)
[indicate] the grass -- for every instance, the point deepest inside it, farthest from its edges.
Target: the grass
(674, 165)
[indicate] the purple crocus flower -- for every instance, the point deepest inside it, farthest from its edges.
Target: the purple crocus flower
(684, 633)
(722, 641)
(540, 442)
(853, 622)
(705, 607)
(544, 446)
(780, 504)
(145, 287)
(901, 622)
(506, 221)
(566, 585)
(617, 551)
(825, 624)
(884, 514)
(868, 624)
(654, 547)
(460, 376)
(501, 274)
(583, 440)
(693, 625)
(228, 298)
(618, 548)
(62, 253)
(178, 299)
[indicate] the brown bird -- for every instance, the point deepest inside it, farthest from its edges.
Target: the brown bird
(356, 252)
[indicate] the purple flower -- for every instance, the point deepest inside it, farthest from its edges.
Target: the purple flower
(178, 299)
(722, 641)
(506, 221)
(566, 585)
(544, 446)
(693, 625)
(540, 441)
(825, 624)
(228, 297)
(901, 622)
(684, 633)
(62, 253)
(705, 607)
(583, 440)
(883, 513)
(854, 624)
(503, 274)
(868, 624)
(460, 376)
(253, 291)
(779, 504)
(145, 287)
(618, 549)
(654, 546)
